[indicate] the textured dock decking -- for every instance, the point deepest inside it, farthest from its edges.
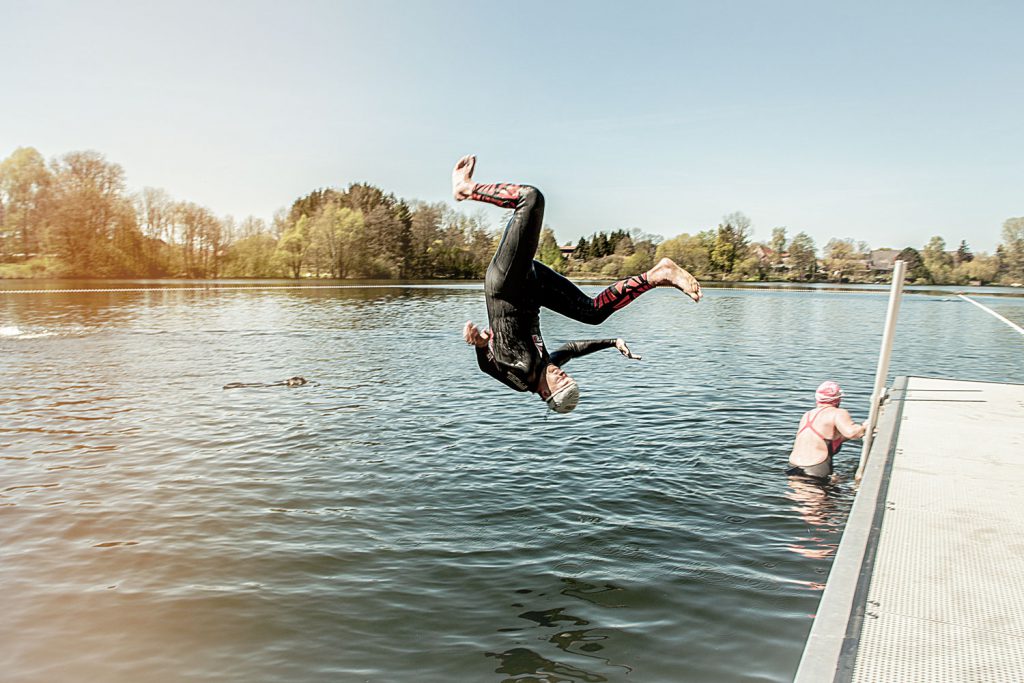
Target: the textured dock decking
(928, 582)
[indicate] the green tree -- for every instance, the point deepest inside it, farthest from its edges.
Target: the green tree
(253, 252)
(916, 270)
(938, 262)
(425, 232)
(963, 254)
(92, 223)
(731, 242)
(615, 239)
(802, 257)
(1012, 250)
(403, 238)
(612, 266)
(155, 218)
(482, 245)
(350, 230)
(642, 259)
(726, 249)
(344, 232)
(293, 245)
(845, 260)
(548, 252)
(582, 251)
(689, 251)
(200, 238)
(624, 245)
(778, 244)
(981, 268)
(384, 244)
(24, 185)
(750, 268)
(312, 203)
(365, 198)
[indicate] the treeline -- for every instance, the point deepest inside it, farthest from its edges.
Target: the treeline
(74, 217)
(728, 253)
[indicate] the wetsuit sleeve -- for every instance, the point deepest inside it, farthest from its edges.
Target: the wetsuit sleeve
(575, 349)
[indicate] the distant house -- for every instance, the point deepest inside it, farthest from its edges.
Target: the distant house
(767, 256)
(567, 250)
(764, 253)
(881, 260)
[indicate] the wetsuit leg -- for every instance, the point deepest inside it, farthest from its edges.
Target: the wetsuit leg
(513, 261)
(558, 293)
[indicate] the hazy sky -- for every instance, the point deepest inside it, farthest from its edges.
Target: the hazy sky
(888, 122)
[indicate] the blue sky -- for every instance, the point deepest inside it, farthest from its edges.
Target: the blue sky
(887, 122)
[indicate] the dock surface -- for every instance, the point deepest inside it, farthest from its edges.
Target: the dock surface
(928, 582)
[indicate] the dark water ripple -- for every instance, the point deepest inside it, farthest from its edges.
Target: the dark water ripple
(407, 519)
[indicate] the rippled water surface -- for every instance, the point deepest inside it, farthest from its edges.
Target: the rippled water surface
(405, 517)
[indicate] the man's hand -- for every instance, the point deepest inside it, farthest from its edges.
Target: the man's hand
(620, 344)
(474, 337)
(462, 178)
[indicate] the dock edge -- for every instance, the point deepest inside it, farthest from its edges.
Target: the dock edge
(831, 648)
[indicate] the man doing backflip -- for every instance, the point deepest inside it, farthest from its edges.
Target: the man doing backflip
(516, 286)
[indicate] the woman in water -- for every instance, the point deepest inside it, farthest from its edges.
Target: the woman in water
(821, 434)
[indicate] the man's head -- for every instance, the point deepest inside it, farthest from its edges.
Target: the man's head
(829, 393)
(559, 390)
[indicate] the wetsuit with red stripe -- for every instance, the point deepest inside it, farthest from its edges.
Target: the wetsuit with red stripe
(516, 287)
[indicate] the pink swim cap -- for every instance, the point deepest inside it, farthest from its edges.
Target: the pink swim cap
(828, 392)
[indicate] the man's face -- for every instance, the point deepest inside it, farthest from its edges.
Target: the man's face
(556, 378)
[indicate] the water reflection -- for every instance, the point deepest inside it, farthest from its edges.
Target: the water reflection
(522, 665)
(602, 595)
(822, 507)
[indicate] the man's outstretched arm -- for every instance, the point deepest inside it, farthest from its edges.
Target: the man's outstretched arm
(575, 349)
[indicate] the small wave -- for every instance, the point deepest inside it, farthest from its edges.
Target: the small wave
(12, 332)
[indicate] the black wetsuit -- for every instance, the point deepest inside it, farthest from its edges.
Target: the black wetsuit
(510, 376)
(516, 287)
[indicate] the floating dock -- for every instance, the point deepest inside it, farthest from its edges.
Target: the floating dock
(928, 580)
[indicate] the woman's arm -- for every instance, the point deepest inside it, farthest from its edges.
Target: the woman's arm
(847, 427)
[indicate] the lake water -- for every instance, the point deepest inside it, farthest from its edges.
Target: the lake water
(407, 518)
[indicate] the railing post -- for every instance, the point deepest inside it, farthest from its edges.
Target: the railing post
(895, 294)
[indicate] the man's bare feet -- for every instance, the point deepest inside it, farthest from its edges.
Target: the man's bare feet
(666, 272)
(462, 178)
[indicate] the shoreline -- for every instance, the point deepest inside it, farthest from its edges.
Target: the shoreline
(584, 278)
(574, 278)
(113, 285)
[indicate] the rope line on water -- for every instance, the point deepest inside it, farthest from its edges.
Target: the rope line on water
(991, 312)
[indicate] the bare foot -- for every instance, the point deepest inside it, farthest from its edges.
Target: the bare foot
(668, 273)
(462, 178)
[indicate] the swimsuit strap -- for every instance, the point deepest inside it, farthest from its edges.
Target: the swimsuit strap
(810, 423)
